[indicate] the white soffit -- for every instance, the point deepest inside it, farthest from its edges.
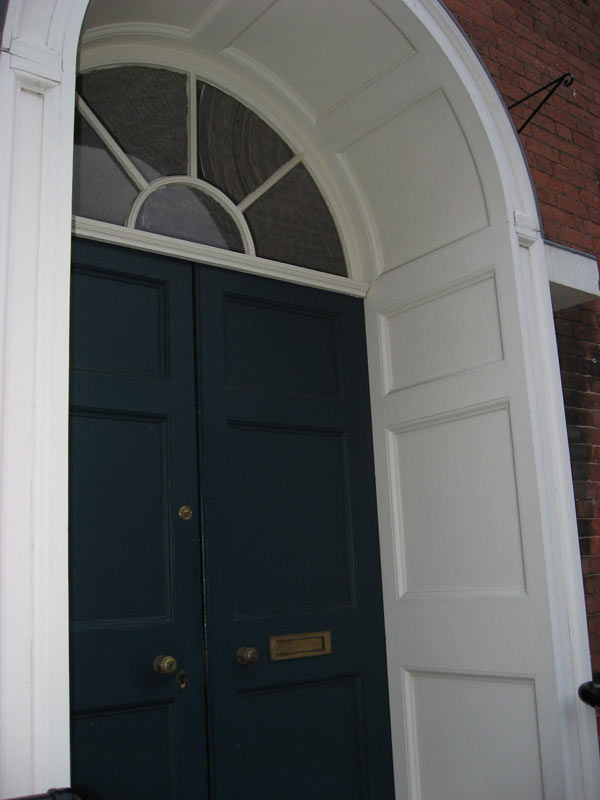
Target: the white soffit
(420, 179)
(317, 54)
(573, 276)
(181, 13)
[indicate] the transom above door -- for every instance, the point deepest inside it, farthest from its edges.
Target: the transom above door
(222, 517)
(161, 151)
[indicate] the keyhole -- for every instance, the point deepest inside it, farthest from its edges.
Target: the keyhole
(182, 680)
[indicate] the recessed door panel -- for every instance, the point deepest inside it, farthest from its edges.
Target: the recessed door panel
(121, 324)
(119, 466)
(129, 754)
(292, 348)
(290, 512)
(320, 742)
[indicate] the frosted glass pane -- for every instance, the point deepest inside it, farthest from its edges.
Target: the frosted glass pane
(292, 223)
(101, 190)
(237, 151)
(145, 109)
(187, 213)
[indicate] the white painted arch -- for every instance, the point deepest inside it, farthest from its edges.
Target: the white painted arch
(395, 249)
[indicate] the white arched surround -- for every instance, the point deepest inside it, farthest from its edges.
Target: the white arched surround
(418, 239)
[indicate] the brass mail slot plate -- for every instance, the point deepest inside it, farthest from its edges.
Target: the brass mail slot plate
(299, 645)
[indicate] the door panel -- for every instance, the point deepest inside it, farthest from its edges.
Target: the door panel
(135, 564)
(327, 761)
(294, 490)
(270, 379)
(463, 530)
(127, 541)
(137, 744)
(291, 541)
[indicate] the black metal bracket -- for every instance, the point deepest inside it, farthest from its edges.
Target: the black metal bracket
(566, 80)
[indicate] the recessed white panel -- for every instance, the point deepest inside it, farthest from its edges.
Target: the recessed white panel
(441, 334)
(474, 738)
(419, 177)
(317, 51)
(457, 518)
(181, 13)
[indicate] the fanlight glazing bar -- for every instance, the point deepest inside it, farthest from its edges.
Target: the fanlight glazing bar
(122, 158)
(275, 177)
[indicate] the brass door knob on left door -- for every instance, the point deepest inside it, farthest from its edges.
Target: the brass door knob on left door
(165, 665)
(247, 655)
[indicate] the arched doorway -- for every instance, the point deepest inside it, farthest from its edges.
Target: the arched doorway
(463, 380)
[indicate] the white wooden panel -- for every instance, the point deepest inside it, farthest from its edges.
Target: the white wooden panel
(430, 194)
(434, 337)
(462, 541)
(457, 518)
(224, 21)
(16, 571)
(181, 12)
(324, 42)
(460, 743)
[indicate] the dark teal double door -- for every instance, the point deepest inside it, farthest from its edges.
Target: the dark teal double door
(246, 401)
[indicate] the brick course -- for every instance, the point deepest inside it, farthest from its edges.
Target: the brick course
(525, 45)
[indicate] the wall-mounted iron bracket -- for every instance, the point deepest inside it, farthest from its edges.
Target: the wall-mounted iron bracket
(566, 80)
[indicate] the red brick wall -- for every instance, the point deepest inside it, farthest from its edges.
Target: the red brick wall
(525, 44)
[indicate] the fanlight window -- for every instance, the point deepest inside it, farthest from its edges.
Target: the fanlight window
(203, 168)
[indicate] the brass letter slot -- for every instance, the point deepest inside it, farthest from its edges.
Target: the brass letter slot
(299, 645)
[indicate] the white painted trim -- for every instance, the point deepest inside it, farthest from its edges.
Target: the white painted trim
(207, 17)
(275, 177)
(375, 249)
(573, 276)
(123, 29)
(201, 253)
(572, 659)
(254, 66)
(206, 188)
(111, 144)
(36, 155)
(192, 82)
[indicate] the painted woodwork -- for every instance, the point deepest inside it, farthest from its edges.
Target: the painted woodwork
(253, 410)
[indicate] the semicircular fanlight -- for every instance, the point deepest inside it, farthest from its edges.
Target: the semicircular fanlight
(133, 130)
(186, 212)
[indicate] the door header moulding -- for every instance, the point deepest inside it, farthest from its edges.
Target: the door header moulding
(216, 256)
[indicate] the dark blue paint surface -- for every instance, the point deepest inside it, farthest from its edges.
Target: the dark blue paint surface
(246, 399)
(291, 541)
(135, 564)
(3, 10)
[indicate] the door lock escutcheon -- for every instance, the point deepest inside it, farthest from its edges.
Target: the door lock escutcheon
(183, 680)
(185, 512)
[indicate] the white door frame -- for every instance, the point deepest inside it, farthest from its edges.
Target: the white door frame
(37, 73)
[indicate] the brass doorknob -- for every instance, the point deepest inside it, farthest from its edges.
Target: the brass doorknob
(247, 655)
(165, 665)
